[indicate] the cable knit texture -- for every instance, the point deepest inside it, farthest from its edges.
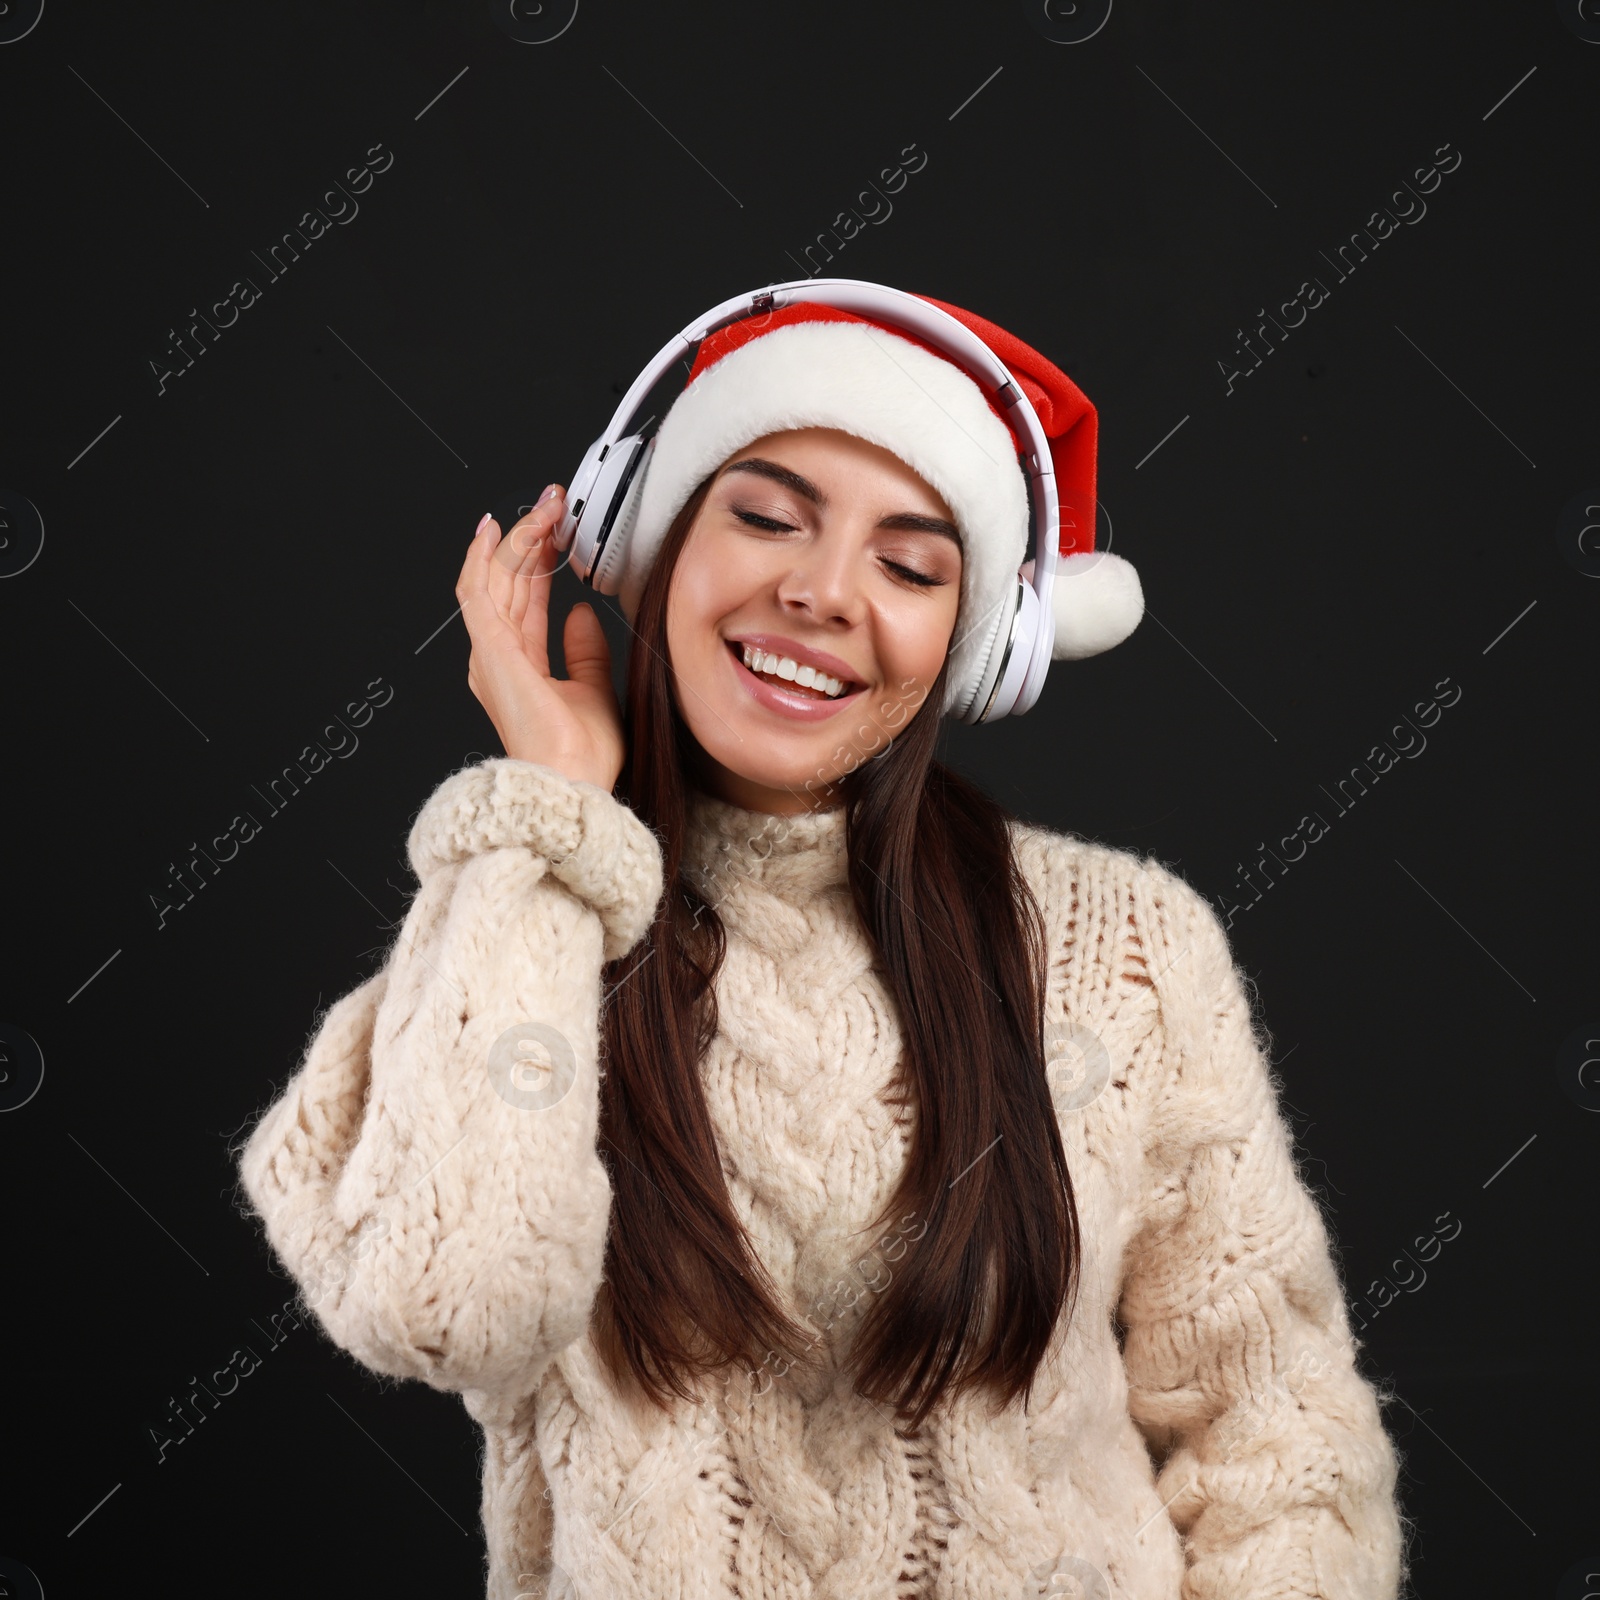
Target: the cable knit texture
(1200, 1430)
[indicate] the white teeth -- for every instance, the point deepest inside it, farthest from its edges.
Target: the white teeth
(789, 669)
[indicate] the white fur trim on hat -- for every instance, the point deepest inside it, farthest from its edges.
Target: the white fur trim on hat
(871, 383)
(1097, 600)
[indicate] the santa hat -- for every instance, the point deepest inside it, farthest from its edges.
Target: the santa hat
(811, 365)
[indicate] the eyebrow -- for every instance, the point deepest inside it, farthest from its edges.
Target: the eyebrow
(913, 521)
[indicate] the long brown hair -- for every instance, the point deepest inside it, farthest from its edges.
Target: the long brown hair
(960, 947)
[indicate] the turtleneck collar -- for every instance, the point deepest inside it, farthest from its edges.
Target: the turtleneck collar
(793, 858)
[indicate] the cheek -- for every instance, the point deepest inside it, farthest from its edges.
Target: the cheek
(915, 633)
(709, 584)
(713, 578)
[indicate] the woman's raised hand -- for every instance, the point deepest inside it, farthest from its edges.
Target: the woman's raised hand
(573, 724)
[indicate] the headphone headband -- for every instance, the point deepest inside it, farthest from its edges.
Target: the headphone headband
(1021, 640)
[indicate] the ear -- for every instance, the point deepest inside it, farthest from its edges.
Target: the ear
(1097, 602)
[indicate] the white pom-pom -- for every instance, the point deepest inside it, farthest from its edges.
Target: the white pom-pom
(1097, 602)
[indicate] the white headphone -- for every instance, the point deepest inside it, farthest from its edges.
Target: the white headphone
(1022, 636)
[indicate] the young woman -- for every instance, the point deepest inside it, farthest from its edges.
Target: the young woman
(815, 1181)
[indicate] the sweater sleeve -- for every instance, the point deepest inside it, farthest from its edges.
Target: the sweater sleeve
(1274, 1463)
(430, 1175)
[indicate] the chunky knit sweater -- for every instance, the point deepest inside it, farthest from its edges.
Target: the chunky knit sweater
(1200, 1430)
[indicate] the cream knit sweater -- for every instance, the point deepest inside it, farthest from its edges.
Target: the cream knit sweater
(1200, 1431)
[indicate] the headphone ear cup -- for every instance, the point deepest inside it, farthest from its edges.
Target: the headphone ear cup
(614, 508)
(1029, 661)
(1009, 660)
(568, 534)
(972, 697)
(613, 563)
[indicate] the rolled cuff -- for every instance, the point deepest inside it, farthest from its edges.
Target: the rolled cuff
(593, 843)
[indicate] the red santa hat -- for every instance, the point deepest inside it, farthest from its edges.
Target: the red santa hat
(811, 365)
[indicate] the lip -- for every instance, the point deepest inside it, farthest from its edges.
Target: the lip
(776, 645)
(786, 702)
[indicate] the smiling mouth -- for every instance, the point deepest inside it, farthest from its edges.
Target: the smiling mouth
(763, 665)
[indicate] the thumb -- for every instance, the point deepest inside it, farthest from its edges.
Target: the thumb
(587, 650)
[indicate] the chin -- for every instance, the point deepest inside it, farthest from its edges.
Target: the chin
(759, 734)
(815, 764)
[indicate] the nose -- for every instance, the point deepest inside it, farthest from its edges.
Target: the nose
(825, 581)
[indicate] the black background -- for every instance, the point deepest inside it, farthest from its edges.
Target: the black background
(1378, 509)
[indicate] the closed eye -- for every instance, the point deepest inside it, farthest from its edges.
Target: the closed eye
(757, 521)
(772, 525)
(923, 579)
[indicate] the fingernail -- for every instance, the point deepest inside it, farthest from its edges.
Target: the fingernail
(488, 516)
(547, 494)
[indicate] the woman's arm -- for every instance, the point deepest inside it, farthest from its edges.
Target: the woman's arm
(434, 1189)
(1239, 1355)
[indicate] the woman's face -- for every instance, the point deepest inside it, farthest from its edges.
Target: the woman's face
(816, 546)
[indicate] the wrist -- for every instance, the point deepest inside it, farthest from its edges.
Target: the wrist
(578, 771)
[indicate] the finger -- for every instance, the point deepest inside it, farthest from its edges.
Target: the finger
(528, 530)
(513, 556)
(539, 546)
(528, 616)
(472, 586)
(527, 538)
(587, 649)
(530, 611)
(541, 520)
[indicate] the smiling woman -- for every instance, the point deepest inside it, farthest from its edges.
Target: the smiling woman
(812, 551)
(814, 1179)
